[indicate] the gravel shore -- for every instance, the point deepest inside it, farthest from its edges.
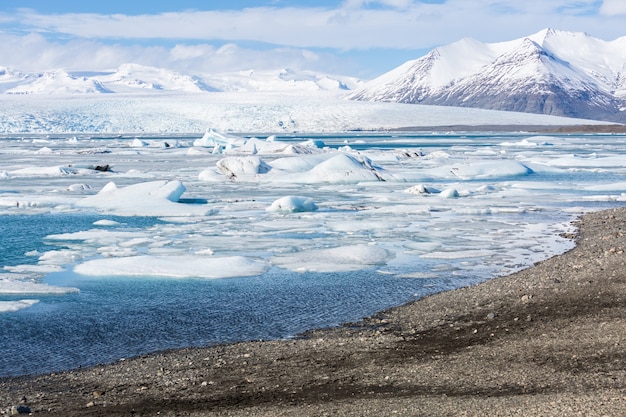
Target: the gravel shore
(547, 341)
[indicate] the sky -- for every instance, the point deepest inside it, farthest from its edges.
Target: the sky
(362, 38)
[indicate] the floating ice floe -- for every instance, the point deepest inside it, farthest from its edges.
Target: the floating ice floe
(8, 286)
(154, 198)
(421, 189)
(79, 188)
(36, 269)
(293, 204)
(10, 306)
(105, 222)
(138, 143)
(531, 142)
(53, 171)
(341, 259)
(335, 167)
(449, 193)
(174, 266)
(211, 138)
(235, 167)
(482, 170)
(586, 162)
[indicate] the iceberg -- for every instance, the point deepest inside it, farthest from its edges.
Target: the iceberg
(153, 198)
(483, 170)
(293, 204)
(232, 167)
(335, 168)
(173, 266)
(212, 138)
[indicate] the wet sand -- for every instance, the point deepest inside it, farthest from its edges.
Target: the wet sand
(549, 341)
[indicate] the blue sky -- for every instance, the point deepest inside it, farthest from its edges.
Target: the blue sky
(364, 38)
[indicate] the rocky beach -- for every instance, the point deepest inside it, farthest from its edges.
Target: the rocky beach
(549, 340)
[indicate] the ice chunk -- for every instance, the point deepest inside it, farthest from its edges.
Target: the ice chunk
(483, 170)
(293, 204)
(79, 188)
(449, 193)
(53, 171)
(174, 266)
(8, 286)
(341, 259)
(250, 165)
(138, 143)
(332, 168)
(344, 168)
(211, 138)
(105, 222)
(154, 198)
(421, 189)
(299, 164)
(9, 306)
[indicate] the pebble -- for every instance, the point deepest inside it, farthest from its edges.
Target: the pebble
(20, 409)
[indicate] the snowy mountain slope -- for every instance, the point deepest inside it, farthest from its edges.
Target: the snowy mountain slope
(57, 82)
(134, 78)
(10, 78)
(550, 72)
(529, 79)
(281, 80)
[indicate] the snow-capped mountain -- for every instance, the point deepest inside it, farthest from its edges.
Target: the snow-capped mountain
(284, 79)
(134, 78)
(130, 77)
(551, 72)
(53, 82)
(10, 78)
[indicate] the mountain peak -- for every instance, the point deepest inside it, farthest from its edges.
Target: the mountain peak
(550, 72)
(136, 78)
(58, 81)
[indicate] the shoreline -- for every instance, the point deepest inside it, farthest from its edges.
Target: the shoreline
(547, 340)
(545, 129)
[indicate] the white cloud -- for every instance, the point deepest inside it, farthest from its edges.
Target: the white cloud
(401, 4)
(298, 37)
(613, 7)
(402, 24)
(33, 52)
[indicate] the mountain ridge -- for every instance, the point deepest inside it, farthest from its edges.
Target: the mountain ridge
(550, 72)
(133, 78)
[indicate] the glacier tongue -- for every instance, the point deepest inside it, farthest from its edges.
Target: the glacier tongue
(177, 113)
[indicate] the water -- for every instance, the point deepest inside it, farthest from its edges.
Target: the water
(117, 318)
(500, 222)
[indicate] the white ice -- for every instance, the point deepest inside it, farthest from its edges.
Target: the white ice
(9, 306)
(154, 198)
(173, 267)
(323, 204)
(293, 204)
(8, 286)
(282, 111)
(341, 259)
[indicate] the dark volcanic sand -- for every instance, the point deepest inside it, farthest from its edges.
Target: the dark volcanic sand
(547, 341)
